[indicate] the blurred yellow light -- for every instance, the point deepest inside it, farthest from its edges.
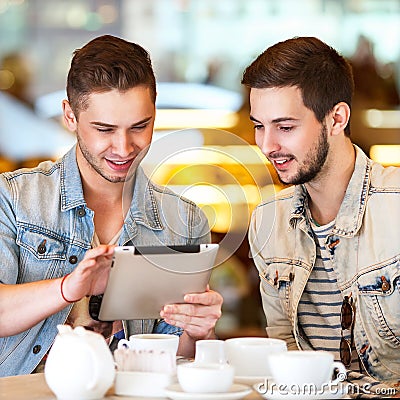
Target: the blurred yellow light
(227, 207)
(218, 155)
(214, 202)
(195, 156)
(205, 194)
(247, 154)
(388, 154)
(7, 79)
(384, 119)
(219, 217)
(193, 118)
(253, 194)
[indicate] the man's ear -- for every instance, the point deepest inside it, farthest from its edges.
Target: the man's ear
(68, 116)
(340, 117)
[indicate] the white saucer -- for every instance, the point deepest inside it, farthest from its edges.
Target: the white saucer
(275, 394)
(236, 391)
(251, 380)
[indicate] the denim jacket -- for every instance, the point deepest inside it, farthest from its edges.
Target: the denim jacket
(365, 252)
(46, 228)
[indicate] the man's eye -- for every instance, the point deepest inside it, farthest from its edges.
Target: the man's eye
(286, 128)
(104, 130)
(256, 127)
(139, 127)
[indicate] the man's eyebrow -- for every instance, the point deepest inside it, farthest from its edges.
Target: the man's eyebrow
(283, 119)
(254, 119)
(143, 121)
(100, 123)
(276, 120)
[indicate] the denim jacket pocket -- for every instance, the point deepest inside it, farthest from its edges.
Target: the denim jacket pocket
(42, 249)
(41, 243)
(379, 296)
(280, 275)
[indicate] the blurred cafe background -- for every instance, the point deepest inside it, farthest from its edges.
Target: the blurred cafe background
(203, 143)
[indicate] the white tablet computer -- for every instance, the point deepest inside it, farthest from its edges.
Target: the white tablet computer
(145, 278)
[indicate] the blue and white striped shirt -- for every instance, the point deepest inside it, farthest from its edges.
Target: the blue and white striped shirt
(320, 304)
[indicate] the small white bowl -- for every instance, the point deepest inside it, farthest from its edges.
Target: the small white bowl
(205, 377)
(146, 384)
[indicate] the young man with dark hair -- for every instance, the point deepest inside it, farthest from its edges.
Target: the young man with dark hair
(59, 222)
(327, 248)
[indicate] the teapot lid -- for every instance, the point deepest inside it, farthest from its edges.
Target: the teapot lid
(64, 329)
(79, 332)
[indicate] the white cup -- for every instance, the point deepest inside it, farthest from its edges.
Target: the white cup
(142, 384)
(249, 355)
(204, 377)
(151, 341)
(210, 351)
(301, 370)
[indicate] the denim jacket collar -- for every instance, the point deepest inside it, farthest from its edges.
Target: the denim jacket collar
(144, 209)
(351, 211)
(71, 184)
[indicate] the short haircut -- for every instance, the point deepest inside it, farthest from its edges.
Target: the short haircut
(106, 63)
(323, 76)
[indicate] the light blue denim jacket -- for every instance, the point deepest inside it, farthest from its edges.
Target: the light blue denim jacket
(46, 228)
(365, 251)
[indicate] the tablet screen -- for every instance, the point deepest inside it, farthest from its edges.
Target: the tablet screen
(191, 248)
(144, 278)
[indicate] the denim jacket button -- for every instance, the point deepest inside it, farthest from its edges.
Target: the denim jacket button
(385, 284)
(36, 349)
(73, 259)
(81, 212)
(42, 247)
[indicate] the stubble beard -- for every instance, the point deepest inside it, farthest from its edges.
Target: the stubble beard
(313, 162)
(93, 163)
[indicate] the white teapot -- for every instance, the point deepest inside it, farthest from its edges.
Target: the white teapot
(80, 365)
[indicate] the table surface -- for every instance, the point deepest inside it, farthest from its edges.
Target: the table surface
(34, 387)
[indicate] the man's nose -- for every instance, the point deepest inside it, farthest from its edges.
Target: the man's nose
(122, 145)
(267, 142)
